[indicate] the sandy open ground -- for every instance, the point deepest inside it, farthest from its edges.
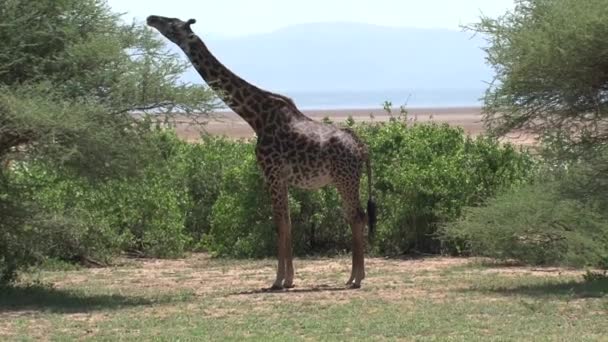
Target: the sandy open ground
(469, 118)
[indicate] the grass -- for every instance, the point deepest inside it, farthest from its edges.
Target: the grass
(199, 298)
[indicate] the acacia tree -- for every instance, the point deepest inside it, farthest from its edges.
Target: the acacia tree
(71, 76)
(551, 64)
(550, 59)
(74, 83)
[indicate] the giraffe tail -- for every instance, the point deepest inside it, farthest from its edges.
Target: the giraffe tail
(371, 204)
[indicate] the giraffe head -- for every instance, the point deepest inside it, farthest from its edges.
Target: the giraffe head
(174, 29)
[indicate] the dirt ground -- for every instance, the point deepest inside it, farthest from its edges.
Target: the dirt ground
(320, 278)
(469, 118)
(202, 298)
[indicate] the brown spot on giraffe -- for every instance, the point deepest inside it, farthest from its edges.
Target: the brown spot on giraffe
(291, 150)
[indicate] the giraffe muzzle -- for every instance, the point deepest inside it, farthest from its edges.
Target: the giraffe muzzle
(152, 19)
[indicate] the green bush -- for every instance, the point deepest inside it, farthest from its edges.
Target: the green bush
(202, 167)
(211, 196)
(15, 243)
(72, 73)
(38, 223)
(424, 174)
(241, 222)
(97, 219)
(549, 58)
(534, 224)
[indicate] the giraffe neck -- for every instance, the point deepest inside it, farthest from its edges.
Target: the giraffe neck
(256, 106)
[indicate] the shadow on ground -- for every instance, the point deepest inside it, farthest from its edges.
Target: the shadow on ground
(595, 288)
(320, 288)
(46, 298)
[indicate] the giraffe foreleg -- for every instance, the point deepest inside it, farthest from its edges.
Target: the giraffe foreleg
(280, 208)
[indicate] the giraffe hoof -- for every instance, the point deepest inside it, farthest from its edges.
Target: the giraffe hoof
(275, 287)
(289, 286)
(354, 286)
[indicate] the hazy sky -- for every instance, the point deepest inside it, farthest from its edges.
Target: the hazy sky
(241, 17)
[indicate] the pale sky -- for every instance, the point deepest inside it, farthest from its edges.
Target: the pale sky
(242, 17)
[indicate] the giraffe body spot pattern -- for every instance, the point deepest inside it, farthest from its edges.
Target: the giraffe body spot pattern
(291, 150)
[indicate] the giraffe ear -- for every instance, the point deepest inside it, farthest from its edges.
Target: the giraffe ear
(190, 22)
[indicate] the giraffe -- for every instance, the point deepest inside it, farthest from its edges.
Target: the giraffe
(291, 149)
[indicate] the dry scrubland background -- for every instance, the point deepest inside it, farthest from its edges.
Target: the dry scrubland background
(469, 118)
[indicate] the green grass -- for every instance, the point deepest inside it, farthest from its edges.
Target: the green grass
(198, 298)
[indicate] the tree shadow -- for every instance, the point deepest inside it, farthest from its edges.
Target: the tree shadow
(412, 255)
(48, 299)
(595, 288)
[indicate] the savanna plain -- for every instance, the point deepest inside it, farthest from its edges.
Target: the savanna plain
(411, 298)
(406, 299)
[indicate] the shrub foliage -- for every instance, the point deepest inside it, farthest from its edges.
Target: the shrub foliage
(212, 196)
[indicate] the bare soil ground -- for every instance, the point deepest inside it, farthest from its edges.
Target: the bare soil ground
(469, 118)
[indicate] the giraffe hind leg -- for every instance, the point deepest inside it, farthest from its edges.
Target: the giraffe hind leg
(355, 216)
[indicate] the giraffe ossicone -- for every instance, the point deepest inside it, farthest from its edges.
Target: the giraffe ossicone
(291, 149)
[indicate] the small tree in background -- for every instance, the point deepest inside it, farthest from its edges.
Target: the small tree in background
(75, 82)
(71, 76)
(551, 63)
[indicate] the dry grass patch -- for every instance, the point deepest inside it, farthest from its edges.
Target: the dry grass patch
(200, 298)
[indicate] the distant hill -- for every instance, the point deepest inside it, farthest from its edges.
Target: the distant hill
(333, 57)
